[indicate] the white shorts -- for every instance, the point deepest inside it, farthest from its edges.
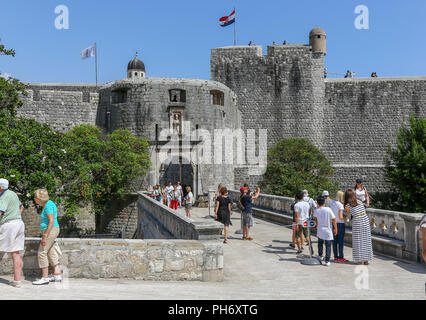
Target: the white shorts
(12, 236)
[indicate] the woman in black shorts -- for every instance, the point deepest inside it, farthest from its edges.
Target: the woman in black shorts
(223, 211)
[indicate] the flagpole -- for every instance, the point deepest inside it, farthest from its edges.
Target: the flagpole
(235, 33)
(96, 63)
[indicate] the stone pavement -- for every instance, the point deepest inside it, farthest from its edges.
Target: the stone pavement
(265, 268)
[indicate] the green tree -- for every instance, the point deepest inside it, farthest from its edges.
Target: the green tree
(405, 165)
(31, 156)
(102, 168)
(295, 164)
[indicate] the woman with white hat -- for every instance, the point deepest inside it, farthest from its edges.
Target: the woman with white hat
(12, 229)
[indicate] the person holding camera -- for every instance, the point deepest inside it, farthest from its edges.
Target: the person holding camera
(361, 193)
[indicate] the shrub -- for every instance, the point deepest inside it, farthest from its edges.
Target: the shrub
(295, 164)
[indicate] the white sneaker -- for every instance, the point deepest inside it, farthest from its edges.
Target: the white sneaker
(16, 284)
(321, 258)
(327, 264)
(40, 282)
(55, 278)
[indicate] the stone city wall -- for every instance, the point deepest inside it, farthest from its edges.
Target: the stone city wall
(120, 217)
(154, 260)
(61, 106)
(351, 120)
(361, 118)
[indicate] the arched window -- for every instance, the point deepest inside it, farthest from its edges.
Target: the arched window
(217, 97)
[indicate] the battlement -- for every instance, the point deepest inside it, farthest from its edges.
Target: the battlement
(235, 52)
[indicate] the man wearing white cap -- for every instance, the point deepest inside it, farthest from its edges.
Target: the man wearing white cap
(12, 229)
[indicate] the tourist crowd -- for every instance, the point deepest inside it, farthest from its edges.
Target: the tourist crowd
(330, 216)
(174, 196)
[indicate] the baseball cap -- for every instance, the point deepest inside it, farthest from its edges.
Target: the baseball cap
(358, 181)
(4, 184)
(325, 193)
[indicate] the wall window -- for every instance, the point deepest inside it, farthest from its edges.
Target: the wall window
(217, 97)
(119, 96)
(177, 95)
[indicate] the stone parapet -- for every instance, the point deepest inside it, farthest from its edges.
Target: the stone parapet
(157, 221)
(155, 260)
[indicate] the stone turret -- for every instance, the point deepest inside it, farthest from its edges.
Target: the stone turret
(318, 41)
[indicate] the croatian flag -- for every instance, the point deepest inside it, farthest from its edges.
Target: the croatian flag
(227, 20)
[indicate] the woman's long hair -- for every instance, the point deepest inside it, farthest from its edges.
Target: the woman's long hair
(340, 196)
(219, 188)
(350, 198)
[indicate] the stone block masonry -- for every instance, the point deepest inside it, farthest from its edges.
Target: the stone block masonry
(155, 260)
(61, 106)
(351, 120)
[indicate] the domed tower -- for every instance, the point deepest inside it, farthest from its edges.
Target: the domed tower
(317, 40)
(136, 68)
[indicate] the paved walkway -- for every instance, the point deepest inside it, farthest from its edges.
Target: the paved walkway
(265, 268)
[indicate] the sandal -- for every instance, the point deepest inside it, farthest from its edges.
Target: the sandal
(224, 241)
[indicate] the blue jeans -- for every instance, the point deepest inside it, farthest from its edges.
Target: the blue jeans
(327, 248)
(338, 241)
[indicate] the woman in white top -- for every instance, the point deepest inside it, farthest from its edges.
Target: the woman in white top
(361, 193)
(188, 201)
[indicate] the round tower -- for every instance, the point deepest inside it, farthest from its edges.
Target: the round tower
(317, 40)
(136, 68)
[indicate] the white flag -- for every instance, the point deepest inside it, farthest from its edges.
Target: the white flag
(88, 52)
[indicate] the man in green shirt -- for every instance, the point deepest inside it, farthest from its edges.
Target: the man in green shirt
(12, 229)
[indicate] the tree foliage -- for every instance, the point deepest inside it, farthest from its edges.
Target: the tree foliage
(405, 165)
(295, 164)
(102, 168)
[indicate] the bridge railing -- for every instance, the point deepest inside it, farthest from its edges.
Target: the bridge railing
(157, 221)
(396, 230)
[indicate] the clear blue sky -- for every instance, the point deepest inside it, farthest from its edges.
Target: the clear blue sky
(174, 38)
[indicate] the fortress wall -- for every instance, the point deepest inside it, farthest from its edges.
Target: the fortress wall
(148, 104)
(282, 92)
(62, 106)
(362, 117)
(275, 91)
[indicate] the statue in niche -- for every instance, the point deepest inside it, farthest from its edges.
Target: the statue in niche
(177, 123)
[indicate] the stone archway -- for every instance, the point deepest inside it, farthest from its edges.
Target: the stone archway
(178, 171)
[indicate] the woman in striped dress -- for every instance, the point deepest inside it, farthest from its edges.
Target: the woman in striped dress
(362, 249)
